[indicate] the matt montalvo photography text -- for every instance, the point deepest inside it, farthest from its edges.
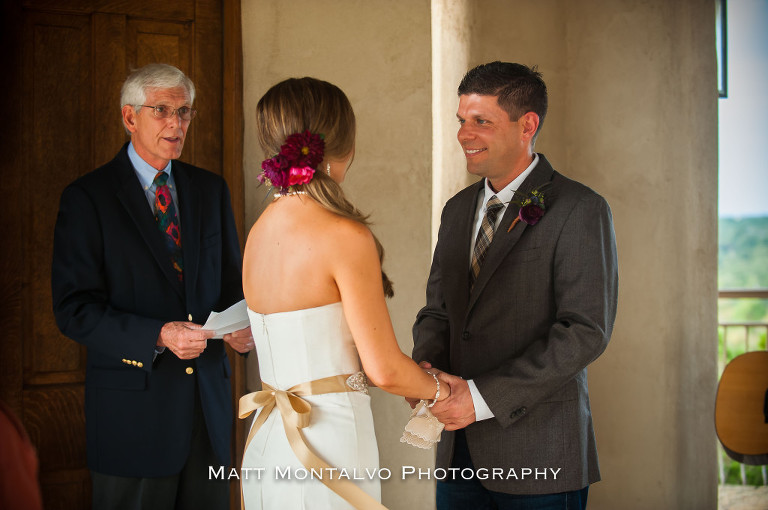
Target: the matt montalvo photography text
(291, 473)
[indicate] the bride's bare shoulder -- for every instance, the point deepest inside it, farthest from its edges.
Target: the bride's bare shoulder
(304, 221)
(347, 235)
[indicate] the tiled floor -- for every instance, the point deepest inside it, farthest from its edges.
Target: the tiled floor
(739, 497)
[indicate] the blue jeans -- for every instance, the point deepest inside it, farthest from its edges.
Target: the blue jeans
(461, 494)
(471, 495)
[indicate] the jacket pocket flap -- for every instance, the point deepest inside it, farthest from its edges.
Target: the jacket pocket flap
(568, 392)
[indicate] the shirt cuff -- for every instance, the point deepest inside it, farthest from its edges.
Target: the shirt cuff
(482, 411)
(158, 351)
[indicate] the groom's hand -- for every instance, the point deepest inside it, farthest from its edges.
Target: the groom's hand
(458, 410)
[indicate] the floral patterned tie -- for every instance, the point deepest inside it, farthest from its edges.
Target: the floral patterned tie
(168, 222)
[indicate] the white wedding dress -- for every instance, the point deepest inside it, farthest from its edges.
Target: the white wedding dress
(293, 348)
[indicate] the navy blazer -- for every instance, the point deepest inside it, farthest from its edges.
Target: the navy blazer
(113, 290)
(541, 310)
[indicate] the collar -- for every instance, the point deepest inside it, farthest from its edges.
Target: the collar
(508, 192)
(144, 171)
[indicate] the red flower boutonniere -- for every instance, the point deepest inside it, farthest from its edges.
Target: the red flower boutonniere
(532, 207)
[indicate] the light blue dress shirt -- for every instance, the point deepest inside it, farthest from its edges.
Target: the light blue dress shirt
(146, 175)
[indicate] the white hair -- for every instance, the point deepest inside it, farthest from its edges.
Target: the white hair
(153, 76)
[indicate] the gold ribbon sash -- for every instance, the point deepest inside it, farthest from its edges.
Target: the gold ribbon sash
(295, 411)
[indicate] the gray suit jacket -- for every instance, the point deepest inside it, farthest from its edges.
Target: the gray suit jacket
(542, 309)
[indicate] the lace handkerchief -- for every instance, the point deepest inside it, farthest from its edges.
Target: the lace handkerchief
(423, 430)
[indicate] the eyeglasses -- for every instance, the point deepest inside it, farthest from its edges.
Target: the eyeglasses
(163, 112)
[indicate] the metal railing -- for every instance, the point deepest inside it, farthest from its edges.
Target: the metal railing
(736, 338)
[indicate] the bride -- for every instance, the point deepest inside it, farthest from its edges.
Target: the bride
(315, 291)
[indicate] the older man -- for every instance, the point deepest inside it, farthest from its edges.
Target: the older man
(520, 299)
(144, 247)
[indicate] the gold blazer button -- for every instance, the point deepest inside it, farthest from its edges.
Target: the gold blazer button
(140, 364)
(190, 370)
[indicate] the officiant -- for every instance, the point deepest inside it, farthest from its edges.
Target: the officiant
(145, 247)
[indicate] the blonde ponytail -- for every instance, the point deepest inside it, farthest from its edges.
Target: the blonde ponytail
(297, 105)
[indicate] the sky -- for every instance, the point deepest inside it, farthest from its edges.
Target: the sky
(743, 115)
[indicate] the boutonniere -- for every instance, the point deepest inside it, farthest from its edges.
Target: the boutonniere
(532, 207)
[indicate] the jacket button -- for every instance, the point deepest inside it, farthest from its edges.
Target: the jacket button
(518, 412)
(465, 335)
(140, 364)
(190, 370)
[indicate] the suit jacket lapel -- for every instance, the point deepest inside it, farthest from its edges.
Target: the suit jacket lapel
(457, 267)
(504, 241)
(189, 217)
(134, 200)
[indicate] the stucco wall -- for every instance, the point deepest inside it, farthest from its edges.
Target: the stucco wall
(642, 113)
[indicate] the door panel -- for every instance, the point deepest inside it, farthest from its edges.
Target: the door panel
(109, 57)
(61, 109)
(56, 94)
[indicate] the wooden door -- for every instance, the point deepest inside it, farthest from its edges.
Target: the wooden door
(65, 61)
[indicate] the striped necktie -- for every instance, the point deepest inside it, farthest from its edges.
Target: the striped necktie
(168, 221)
(484, 237)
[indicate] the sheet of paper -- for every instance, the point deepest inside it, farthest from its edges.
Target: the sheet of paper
(232, 319)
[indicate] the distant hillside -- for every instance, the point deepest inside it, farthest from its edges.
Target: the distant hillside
(743, 253)
(743, 263)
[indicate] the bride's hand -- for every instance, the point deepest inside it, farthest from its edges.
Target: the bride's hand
(457, 410)
(445, 385)
(427, 367)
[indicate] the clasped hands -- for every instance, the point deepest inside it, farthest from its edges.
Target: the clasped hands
(457, 411)
(188, 340)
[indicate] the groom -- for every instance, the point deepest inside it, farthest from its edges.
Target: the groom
(519, 302)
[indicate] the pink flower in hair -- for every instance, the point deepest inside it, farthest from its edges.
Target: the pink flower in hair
(301, 175)
(296, 163)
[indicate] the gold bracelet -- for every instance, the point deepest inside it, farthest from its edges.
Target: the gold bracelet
(437, 393)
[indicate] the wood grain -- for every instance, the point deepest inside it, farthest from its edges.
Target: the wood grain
(66, 62)
(740, 418)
